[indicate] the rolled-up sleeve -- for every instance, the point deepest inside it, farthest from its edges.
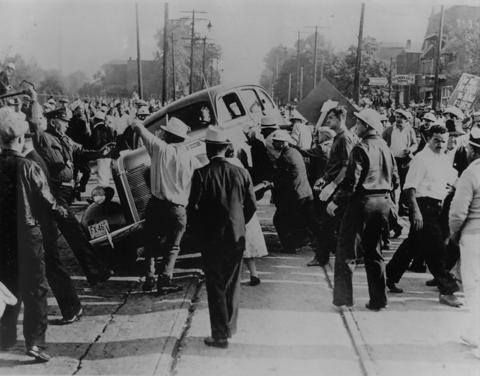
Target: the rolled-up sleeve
(461, 201)
(416, 173)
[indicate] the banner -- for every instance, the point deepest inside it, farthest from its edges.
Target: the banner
(377, 81)
(466, 95)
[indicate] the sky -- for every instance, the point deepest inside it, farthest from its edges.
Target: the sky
(74, 35)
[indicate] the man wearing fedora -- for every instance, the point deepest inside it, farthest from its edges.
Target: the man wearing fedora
(170, 180)
(370, 177)
(222, 202)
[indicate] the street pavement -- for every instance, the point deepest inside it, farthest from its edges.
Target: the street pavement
(287, 325)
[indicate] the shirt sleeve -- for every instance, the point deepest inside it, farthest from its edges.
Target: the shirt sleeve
(152, 141)
(461, 201)
(416, 173)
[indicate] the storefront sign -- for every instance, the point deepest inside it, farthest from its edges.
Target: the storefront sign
(403, 79)
(377, 81)
(466, 95)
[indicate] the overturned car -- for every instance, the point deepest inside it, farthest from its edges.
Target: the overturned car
(236, 108)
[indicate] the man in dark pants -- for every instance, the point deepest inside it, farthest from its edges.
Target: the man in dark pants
(343, 143)
(58, 150)
(370, 177)
(170, 181)
(427, 184)
(24, 194)
(291, 193)
(57, 275)
(222, 201)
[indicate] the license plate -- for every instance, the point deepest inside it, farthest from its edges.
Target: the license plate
(99, 229)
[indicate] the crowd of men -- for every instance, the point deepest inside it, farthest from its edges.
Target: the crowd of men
(341, 189)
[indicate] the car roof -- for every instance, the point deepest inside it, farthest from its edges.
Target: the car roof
(199, 96)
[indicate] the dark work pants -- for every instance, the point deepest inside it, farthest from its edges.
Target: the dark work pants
(29, 284)
(430, 240)
(402, 167)
(82, 165)
(365, 217)
(76, 237)
(57, 275)
(327, 232)
(166, 220)
(294, 215)
(222, 278)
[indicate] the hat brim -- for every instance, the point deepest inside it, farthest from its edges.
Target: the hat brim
(163, 127)
(378, 128)
(218, 142)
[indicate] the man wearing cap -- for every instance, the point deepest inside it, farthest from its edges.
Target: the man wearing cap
(464, 224)
(402, 140)
(58, 152)
(428, 182)
(170, 180)
(5, 77)
(301, 133)
(291, 193)
(370, 177)
(102, 135)
(222, 202)
(22, 264)
(343, 143)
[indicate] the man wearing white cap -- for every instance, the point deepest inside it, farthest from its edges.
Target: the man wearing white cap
(22, 264)
(370, 178)
(170, 180)
(222, 202)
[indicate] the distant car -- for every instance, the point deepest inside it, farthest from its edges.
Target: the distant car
(236, 108)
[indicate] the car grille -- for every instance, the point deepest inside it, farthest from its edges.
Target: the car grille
(138, 179)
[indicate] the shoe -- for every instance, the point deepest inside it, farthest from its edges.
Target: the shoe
(343, 308)
(216, 342)
(385, 247)
(450, 300)
(432, 282)
(75, 317)
(38, 354)
(7, 345)
(417, 268)
(102, 278)
(468, 341)
(314, 262)
(375, 308)
(149, 284)
(254, 281)
(166, 286)
(393, 288)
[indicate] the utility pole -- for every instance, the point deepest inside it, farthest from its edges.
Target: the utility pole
(301, 84)
(139, 61)
(192, 44)
(356, 79)
(203, 61)
(390, 78)
(436, 85)
(315, 59)
(322, 63)
(211, 73)
(289, 87)
(298, 65)
(165, 51)
(174, 94)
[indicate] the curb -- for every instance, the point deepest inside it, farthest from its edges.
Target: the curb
(167, 359)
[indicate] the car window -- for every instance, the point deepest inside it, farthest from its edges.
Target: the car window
(266, 101)
(229, 107)
(197, 116)
(251, 100)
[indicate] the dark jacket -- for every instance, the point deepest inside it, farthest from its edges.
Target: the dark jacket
(371, 169)
(78, 131)
(290, 179)
(262, 169)
(24, 193)
(101, 135)
(221, 202)
(343, 143)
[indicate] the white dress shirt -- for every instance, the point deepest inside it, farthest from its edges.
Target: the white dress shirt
(171, 171)
(400, 142)
(430, 173)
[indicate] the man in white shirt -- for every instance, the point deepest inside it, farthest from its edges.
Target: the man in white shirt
(170, 178)
(428, 181)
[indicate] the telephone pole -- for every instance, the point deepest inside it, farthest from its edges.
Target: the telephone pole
(298, 65)
(356, 79)
(300, 97)
(289, 97)
(174, 94)
(139, 61)
(315, 59)
(192, 43)
(436, 84)
(165, 53)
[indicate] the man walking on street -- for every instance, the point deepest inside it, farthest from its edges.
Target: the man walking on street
(370, 177)
(24, 194)
(222, 201)
(428, 181)
(343, 143)
(170, 180)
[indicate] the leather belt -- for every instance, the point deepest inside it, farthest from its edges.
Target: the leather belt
(70, 184)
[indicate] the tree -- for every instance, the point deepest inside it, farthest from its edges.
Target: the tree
(181, 30)
(52, 84)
